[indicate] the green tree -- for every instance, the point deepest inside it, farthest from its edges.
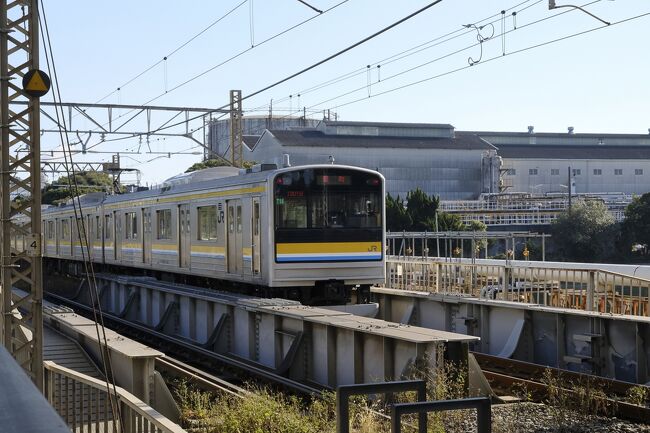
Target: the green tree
(422, 210)
(448, 222)
(210, 163)
(397, 218)
(478, 226)
(636, 226)
(586, 233)
(88, 181)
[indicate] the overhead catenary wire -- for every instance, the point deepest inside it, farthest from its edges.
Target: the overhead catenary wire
(311, 67)
(344, 50)
(439, 40)
(228, 60)
(306, 69)
(479, 43)
(174, 51)
(102, 340)
(531, 47)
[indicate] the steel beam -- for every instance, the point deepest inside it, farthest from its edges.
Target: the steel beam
(22, 324)
(603, 344)
(310, 345)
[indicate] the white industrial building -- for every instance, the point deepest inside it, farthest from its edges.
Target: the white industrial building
(454, 165)
(409, 155)
(541, 163)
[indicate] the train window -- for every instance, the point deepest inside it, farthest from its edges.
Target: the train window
(164, 218)
(207, 216)
(256, 219)
(231, 219)
(65, 229)
(98, 228)
(239, 219)
(107, 226)
(131, 225)
(50, 229)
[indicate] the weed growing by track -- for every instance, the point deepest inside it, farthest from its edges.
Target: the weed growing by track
(269, 412)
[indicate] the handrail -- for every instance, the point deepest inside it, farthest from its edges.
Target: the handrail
(138, 410)
(519, 264)
(588, 289)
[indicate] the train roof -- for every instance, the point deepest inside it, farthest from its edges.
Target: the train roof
(239, 178)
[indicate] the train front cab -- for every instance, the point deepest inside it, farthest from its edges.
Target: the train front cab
(328, 231)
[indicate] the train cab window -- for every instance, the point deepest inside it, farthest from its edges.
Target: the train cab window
(207, 223)
(164, 218)
(293, 211)
(107, 226)
(50, 229)
(131, 225)
(321, 199)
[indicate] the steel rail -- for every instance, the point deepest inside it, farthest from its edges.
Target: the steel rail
(504, 374)
(198, 377)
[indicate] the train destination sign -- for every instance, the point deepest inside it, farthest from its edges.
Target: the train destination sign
(36, 83)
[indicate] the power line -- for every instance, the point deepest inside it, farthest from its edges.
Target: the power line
(228, 60)
(403, 54)
(310, 6)
(500, 56)
(493, 37)
(82, 234)
(175, 50)
(345, 50)
(383, 30)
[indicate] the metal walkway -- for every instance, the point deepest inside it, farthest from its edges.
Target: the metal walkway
(67, 353)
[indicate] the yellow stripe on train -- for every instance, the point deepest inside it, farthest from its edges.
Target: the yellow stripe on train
(328, 247)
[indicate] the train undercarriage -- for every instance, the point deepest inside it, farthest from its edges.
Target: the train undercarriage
(328, 292)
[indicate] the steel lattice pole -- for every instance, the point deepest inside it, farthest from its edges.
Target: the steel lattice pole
(20, 193)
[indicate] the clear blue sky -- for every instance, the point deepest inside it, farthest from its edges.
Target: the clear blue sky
(597, 82)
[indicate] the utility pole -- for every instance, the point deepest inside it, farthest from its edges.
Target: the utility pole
(236, 145)
(21, 220)
(569, 187)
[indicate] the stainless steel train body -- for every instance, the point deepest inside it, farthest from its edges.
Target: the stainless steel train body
(316, 226)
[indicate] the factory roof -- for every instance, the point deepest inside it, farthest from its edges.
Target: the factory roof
(314, 138)
(553, 134)
(387, 124)
(573, 152)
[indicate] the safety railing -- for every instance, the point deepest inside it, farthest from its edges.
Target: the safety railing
(83, 403)
(581, 289)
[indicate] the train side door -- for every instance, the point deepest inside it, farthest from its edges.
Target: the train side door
(255, 230)
(235, 250)
(184, 244)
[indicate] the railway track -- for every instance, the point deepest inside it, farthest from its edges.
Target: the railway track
(505, 375)
(199, 378)
(187, 349)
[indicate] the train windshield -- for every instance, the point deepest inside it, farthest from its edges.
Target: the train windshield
(328, 198)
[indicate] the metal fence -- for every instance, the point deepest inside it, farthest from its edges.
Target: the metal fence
(83, 403)
(582, 289)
